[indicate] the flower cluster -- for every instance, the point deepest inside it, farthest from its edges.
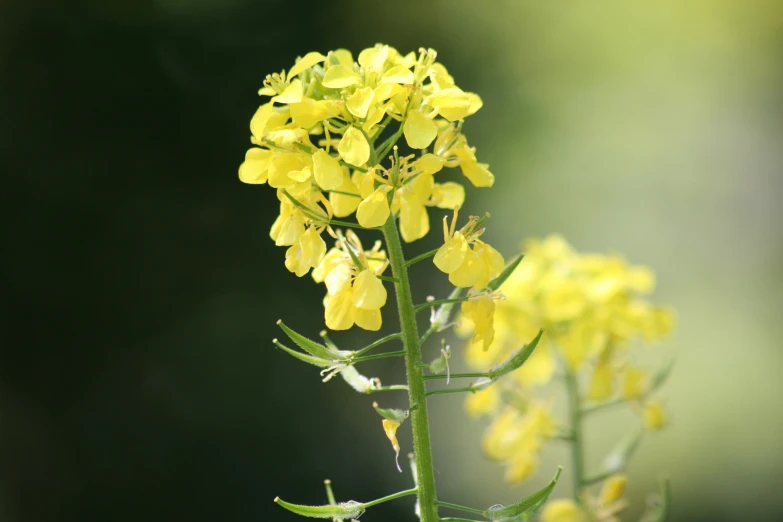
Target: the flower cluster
(320, 141)
(590, 307)
(601, 508)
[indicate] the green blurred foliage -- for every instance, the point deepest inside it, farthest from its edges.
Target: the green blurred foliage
(141, 287)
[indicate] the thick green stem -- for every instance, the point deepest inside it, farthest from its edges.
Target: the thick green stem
(577, 444)
(413, 364)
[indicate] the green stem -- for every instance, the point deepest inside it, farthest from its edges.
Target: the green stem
(417, 393)
(470, 389)
(377, 343)
(430, 304)
(377, 356)
(597, 407)
(600, 477)
(390, 497)
(577, 444)
(457, 519)
(421, 257)
(455, 376)
(460, 508)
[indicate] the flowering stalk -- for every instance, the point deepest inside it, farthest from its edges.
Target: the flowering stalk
(422, 446)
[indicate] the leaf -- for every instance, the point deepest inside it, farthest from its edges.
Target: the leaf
(316, 361)
(392, 414)
(343, 510)
(526, 508)
(313, 348)
(516, 360)
(506, 273)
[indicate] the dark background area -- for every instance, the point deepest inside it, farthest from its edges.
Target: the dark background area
(140, 288)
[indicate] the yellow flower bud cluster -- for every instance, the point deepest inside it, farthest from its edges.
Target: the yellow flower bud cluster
(601, 508)
(591, 308)
(322, 135)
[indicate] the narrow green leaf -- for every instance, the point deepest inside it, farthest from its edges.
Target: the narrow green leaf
(516, 360)
(524, 509)
(392, 414)
(316, 361)
(506, 273)
(313, 348)
(343, 510)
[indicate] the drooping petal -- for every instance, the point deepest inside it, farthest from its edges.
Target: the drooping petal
(327, 170)
(452, 254)
(419, 130)
(390, 427)
(339, 310)
(369, 292)
(448, 195)
(368, 319)
(343, 205)
(478, 174)
(259, 120)
(353, 147)
(374, 210)
(254, 169)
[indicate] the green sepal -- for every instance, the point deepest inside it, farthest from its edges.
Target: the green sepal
(525, 509)
(618, 458)
(343, 510)
(516, 360)
(660, 512)
(506, 273)
(393, 414)
(441, 363)
(316, 361)
(313, 348)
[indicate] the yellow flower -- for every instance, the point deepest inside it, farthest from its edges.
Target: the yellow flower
(483, 402)
(654, 416)
(327, 170)
(612, 490)
(563, 510)
(373, 211)
(307, 253)
(468, 261)
(420, 131)
(480, 310)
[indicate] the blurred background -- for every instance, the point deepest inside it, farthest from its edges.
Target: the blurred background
(141, 290)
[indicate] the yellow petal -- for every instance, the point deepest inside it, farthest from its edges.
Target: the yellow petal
(282, 165)
(353, 147)
(429, 163)
(602, 383)
(287, 229)
(260, 118)
(475, 103)
(390, 427)
(313, 247)
(398, 74)
(452, 103)
(343, 205)
(635, 382)
(654, 416)
(452, 254)
(339, 278)
(306, 62)
(472, 270)
(374, 57)
(344, 57)
(521, 467)
(562, 510)
(309, 112)
(414, 221)
(359, 102)
(254, 169)
(291, 94)
(483, 402)
(478, 174)
(294, 261)
(339, 310)
(327, 170)
(339, 76)
(366, 183)
(612, 490)
(374, 210)
(448, 195)
(368, 291)
(419, 130)
(302, 175)
(368, 319)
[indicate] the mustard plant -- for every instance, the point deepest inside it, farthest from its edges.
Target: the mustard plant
(367, 138)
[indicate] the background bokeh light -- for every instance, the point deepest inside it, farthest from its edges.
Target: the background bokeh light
(141, 289)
